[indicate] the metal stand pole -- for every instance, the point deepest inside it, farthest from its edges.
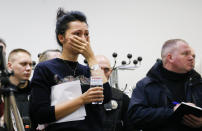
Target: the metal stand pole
(114, 79)
(10, 103)
(7, 116)
(18, 119)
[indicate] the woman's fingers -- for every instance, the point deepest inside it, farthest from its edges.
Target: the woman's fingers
(96, 99)
(94, 94)
(79, 44)
(79, 39)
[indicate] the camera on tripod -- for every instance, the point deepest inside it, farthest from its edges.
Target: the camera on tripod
(12, 118)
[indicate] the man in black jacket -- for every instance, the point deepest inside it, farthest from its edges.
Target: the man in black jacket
(171, 80)
(115, 111)
(20, 62)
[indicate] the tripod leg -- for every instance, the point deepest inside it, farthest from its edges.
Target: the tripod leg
(16, 113)
(7, 116)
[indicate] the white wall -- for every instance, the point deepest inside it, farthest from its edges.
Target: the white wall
(124, 26)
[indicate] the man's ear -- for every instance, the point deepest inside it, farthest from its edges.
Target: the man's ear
(61, 38)
(169, 58)
(9, 66)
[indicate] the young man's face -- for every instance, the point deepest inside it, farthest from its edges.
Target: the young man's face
(21, 64)
(183, 58)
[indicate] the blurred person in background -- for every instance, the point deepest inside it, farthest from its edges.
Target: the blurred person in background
(115, 111)
(49, 54)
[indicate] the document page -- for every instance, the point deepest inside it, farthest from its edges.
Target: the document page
(68, 91)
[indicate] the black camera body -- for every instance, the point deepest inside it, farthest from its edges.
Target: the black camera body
(4, 74)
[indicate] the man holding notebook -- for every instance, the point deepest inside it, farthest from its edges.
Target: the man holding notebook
(169, 82)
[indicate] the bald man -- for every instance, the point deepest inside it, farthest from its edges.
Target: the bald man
(49, 54)
(114, 112)
(170, 81)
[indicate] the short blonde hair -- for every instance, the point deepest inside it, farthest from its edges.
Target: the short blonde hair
(15, 51)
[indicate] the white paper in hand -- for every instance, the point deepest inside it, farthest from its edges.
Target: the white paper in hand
(64, 92)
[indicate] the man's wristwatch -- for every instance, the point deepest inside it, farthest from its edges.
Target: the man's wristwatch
(95, 67)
